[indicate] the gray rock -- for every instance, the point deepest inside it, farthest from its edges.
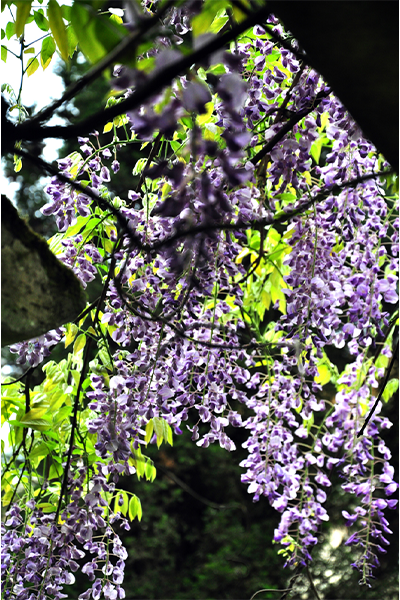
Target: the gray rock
(38, 292)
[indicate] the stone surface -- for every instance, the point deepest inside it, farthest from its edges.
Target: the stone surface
(38, 292)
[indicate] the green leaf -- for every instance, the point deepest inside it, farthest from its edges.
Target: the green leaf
(139, 462)
(32, 66)
(42, 449)
(382, 361)
(34, 413)
(23, 10)
(3, 53)
(66, 12)
(324, 374)
(79, 344)
(202, 23)
(57, 26)
(47, 507)
(56, 471)
(72, 40)
(47, 51)
(61, 415)
(10, 29)
(41, 20)
(97, 35)
(72, 330)
(124, 508)
(37, 424)
(159, 429)
(82, 23)
(149, 431)
(218, 24)
(150, 471)
(29, 51)
(390, 389)
(135, 508)
(166, 432)
(17, 164)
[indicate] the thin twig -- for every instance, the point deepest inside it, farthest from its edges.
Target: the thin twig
(288, 126)
(371, 412)
(74, 422)
(314, 589)
(269, 590)
(154, 85)
(19, 378)
(128, 43)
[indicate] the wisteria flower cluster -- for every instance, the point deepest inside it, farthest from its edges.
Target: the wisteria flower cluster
(239, 219)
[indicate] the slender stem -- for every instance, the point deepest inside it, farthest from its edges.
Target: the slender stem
(80, 384)
(371, 412)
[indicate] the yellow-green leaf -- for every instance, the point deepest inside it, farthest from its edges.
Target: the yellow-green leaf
(47, 51)
(324, 374)
(4, 53)
(97, 35)
(159, 429)
(125, 505)
(170, 438)
(135, 508)
(10, 29)
(23, 10)
(107, 127)
(72, 330)
(41, 20)
(202, 22)
(17, 164)
(58, 29)
(41, 449)
(32, 66)
(37, 424)
(202, 119)
(151, 471)
(390, 389)
(72, 40)
(34, 413)
(47, 507)
(79, 344)
(149, 431)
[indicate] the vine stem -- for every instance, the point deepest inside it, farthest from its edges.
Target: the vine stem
(371, 412)
(81, 379)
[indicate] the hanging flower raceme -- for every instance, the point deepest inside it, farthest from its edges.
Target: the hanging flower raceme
(242, 255)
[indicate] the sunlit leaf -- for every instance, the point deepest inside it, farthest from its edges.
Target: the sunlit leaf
(135, 508)
(23, 10)
(324, 374)
(58, 29)
(97, 34)
(71, 332)
(47, 51)
(79, 344)
(10, 29)
(36, 424)
(32, 66)
(149, 431)
(41, 20)
(390, 389)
